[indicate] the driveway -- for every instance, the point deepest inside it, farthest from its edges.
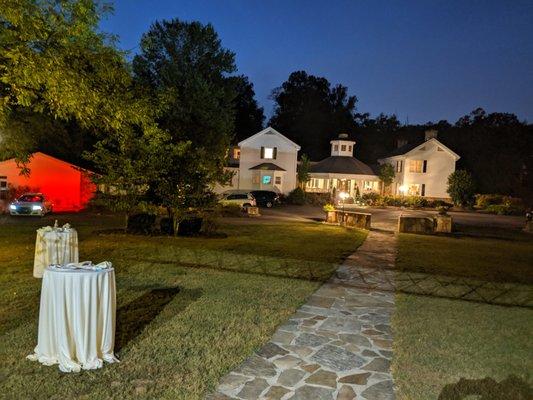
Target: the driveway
(384, 218)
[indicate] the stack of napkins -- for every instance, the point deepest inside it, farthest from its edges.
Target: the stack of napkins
(88, 265)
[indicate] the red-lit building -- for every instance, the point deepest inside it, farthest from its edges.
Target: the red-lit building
(66, 186)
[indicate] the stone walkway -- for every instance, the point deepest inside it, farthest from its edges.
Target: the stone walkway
(336, 346)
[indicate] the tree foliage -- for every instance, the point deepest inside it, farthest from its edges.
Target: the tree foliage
(461, 188)
(249, 117)
(311, 112)
(184, 68)
(386, 174)
(303, 170)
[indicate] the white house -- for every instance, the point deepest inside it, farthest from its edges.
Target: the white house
(264, 161)
(342, 172)
(422, 168)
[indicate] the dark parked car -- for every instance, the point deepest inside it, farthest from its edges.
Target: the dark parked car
(266, 198)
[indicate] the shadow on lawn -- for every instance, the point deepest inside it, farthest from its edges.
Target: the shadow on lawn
(511, 388)
(136, 315)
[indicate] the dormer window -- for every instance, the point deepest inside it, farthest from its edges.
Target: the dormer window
(343, 147)
(336, 147)
(349, 148)
(269, 153)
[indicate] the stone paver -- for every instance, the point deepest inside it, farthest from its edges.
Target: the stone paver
(336, 346)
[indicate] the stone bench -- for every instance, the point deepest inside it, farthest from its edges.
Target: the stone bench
(425, 224)
(351, 219)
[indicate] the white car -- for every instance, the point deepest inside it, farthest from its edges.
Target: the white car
(30, 204)
(242, 199)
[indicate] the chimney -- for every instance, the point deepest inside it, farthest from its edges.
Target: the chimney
(431, 134)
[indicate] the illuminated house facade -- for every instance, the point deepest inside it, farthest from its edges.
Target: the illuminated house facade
(66, 186)
(422, 168)
(342, 172)
(264, 161)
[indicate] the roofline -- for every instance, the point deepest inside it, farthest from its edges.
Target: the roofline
(56, 159)
(265, 131)
(453, 153)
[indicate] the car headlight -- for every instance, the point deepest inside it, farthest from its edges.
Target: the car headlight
(36, 208)
(12, 207)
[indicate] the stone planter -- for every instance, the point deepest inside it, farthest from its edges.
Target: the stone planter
(253, 211)
(331, 217)
(443, 223)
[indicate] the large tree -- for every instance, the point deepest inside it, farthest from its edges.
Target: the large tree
(56, 66)
(183, 66)
(311, 112)
(249, 117)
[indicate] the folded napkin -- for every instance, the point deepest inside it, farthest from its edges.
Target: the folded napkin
(88, 265)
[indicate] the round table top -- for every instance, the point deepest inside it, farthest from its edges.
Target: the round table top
(54, 269)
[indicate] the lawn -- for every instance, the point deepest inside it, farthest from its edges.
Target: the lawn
(189, 309)
(439, 341)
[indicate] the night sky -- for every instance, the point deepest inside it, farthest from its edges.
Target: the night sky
(421, 60)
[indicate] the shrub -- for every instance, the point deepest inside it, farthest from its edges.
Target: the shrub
(461, 188)
(328, 207)
(166, 225)
(370, 198)
(439, 203)
(210, 223)
(485, 200)
(230, 210)
(297, 197)
(190, 226)
(141, 223)
(317, 199)
(416, 201)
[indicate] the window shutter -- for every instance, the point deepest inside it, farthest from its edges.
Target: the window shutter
(423, 189)
(275, 153)
(425, 167)
(262, 152)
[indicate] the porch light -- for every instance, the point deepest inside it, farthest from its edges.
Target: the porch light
(343, 195)
(403, 188)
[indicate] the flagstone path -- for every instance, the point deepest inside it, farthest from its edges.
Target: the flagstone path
(337, 346)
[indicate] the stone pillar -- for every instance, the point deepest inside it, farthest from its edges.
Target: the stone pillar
(443, 223)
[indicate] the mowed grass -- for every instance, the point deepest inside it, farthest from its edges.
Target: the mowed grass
(187, 312)
(439, 341)
(501, 257)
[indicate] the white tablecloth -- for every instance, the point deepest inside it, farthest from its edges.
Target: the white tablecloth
(54, 246)
(76, 319)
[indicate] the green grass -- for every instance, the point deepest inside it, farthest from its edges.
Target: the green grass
(439, 341)
(189, 310)
(501, 257)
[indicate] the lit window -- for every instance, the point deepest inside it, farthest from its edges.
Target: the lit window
(413, 189)
(236, 154)
(343, 147)
(278, 180)
(415, 166)
(399, 166)
(269, 153)
(368, 185)
(256, 179)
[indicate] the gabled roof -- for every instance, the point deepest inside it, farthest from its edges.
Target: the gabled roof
(341, 165)
(268, 167)
(269, 131)
(410, 147)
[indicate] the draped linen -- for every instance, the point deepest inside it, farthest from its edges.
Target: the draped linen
(76, 319)
(54, 246)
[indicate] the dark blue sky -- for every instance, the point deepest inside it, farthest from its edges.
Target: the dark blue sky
(422, 60)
